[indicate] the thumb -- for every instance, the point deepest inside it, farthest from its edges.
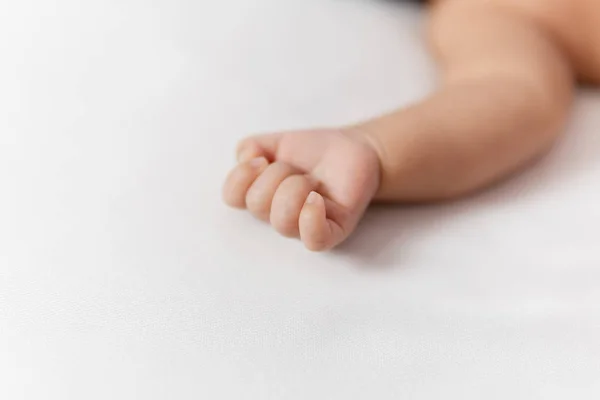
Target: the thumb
(317, 231)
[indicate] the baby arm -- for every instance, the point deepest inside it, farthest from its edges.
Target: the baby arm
(505, 93)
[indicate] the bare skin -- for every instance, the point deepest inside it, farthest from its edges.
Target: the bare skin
(508, 70)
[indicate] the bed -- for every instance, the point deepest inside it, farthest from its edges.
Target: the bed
(123, 276)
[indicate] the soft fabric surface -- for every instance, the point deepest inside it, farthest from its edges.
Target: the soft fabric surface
(122, 276)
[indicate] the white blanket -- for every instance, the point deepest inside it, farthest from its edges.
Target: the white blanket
(122, 276)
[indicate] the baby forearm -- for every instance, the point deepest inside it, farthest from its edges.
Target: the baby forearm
(506, 91)
(461, 139)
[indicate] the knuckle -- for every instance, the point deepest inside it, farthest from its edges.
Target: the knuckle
(284, 221)
(316, 245)
(257, 204)
(285, 228)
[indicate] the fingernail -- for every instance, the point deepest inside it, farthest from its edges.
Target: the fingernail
(258, 162)
(312, 198)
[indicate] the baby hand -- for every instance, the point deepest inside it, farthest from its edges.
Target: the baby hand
(312, 185)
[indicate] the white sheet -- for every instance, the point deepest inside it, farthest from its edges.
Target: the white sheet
(122, 276)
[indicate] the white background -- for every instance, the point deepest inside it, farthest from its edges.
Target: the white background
(122, 276)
